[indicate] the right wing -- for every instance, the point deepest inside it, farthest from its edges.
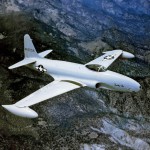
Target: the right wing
(105, 60)
(21, 108)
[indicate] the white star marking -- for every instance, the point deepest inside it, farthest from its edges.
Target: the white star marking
(40, 68)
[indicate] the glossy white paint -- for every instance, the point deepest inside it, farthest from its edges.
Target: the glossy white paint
(62, 70)
(21, 111)
(69, 76)
(127, 55)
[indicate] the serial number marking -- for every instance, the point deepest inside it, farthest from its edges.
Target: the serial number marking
(29, 49)
(119, 85)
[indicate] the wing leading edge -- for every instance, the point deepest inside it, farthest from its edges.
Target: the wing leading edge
(21, 108)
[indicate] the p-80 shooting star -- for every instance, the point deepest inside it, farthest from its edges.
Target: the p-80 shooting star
(69, 76)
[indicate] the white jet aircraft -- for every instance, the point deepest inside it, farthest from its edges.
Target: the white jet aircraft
(69, 76)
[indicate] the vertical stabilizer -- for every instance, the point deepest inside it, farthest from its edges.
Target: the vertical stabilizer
(29, 49)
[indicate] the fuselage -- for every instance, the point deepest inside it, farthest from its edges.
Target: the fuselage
(78, 73)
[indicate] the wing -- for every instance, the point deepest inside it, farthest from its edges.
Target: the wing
(105, 60)
(21, 108)
(51, 90)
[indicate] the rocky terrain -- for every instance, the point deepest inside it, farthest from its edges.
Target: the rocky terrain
(122, 24)
(78, 31)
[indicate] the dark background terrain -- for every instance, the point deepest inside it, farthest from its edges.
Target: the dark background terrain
(77, 31)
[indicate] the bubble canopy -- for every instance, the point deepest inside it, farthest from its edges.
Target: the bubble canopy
(96, 67)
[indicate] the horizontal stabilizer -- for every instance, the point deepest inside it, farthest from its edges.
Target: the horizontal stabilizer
(21, 111)
(43, 54)
(25, 61)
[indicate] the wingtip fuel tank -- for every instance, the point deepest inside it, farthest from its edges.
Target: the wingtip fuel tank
(21, 111)
(127, 55)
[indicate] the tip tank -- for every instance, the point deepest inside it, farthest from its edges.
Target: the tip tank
(21, 111)
(127, 55)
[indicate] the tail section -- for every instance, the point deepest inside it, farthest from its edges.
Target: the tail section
(24, 62)
(29, 49)
(45, 53)
(29, 53)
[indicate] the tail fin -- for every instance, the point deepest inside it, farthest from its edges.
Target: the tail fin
(29, 49)
(29, 53)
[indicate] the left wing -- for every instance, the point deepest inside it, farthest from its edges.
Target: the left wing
(105, 60)
(21, 108)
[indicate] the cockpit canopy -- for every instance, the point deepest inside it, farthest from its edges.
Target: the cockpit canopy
(96, 67)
